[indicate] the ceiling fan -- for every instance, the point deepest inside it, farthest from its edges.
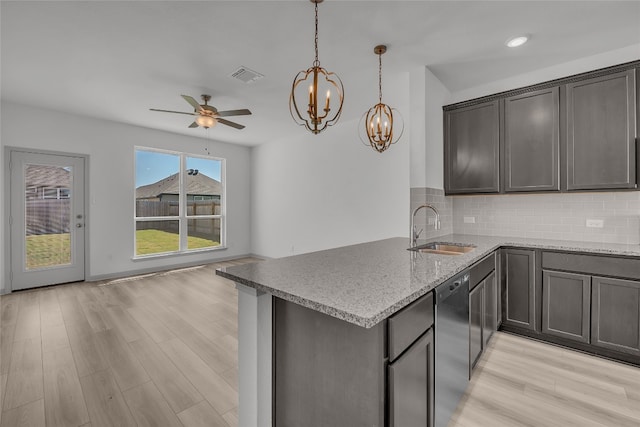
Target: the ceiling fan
(206, 115)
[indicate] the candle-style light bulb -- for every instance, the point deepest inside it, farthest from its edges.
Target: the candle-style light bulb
(326, 106)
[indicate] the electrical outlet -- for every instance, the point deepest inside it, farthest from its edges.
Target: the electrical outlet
(469, 219)
(595, 223)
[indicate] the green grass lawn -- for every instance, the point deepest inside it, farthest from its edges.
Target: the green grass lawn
(55, 249)
(157, 241)
(48, 249)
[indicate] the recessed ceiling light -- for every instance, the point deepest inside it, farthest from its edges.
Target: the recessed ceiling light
(517, 41)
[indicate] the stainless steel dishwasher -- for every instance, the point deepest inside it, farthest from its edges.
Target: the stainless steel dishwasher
(451, 346)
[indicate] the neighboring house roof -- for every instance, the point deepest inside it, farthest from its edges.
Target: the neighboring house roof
(47, 176)
(199, 185)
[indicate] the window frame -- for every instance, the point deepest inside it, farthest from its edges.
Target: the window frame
(183, 217)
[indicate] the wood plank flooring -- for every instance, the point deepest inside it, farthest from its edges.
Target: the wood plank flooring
(161, 350)
(157, 350)
(521, 382)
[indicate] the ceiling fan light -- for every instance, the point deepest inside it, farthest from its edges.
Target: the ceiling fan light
(206, 121)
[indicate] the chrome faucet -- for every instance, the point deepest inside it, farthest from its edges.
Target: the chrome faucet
(413, 233)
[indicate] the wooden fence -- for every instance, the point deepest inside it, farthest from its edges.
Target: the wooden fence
(206, 228)
(48, 216)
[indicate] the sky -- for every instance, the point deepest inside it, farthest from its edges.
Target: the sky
(153, 166)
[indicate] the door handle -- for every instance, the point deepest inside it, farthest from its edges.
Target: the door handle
(78, 225)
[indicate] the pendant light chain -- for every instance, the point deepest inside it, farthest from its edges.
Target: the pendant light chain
(380, 76)
(316, 62)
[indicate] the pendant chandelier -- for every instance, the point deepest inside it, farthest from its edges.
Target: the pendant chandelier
(379, 122)
(307, 86)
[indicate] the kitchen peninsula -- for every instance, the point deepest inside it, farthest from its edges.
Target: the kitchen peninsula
(353, 291)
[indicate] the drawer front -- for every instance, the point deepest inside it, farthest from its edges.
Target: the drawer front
(408, 324)
(628, 268)
(481, 269)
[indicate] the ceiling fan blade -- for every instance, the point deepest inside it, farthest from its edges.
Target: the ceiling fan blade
(193, 125)
(228, 113)
(176, 112)
(232, 124)
(193, 102)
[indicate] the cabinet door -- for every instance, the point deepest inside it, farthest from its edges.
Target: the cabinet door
(411, 385)
(476, 320)
(566, 302)
(531, 135)
(601, 131)
(519, 288)
(490, 308)
(472, 149)
(615, 321)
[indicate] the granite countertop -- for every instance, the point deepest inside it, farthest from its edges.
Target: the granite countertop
(366, 283)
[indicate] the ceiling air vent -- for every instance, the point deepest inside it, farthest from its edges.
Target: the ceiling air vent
(246, 75)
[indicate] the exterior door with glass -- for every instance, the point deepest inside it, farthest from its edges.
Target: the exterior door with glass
(46, 219)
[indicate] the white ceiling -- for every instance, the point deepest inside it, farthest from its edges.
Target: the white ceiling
(116, 59)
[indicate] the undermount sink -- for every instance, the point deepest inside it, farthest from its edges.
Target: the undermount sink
(444, 248)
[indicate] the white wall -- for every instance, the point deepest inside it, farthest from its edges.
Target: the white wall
(583, 65)
(418, 113)
(428, 95)
(110, 147)
(313, 192)
(435, 95)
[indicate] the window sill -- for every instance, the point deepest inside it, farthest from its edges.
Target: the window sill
(177, 254)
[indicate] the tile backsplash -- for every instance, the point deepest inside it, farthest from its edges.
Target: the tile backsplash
(550, 216)
(545, 216)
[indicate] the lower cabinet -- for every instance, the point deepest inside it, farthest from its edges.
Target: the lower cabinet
(519, 288)
(328, 372)
(589, 302)
(476, 304)
(411, 385)
(490, 324)
(566, 305)
(615, 320)
(483, 317)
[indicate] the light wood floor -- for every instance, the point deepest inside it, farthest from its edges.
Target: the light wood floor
(521, 382)
(161, 350)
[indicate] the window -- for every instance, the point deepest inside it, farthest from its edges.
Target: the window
(179, 202)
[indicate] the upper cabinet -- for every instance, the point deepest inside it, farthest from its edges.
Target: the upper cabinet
(576, 133)
(531, 141)
(471, 149)
(601, 132)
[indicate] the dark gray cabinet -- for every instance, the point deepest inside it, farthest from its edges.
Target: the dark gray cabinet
(531, 141)
(476, 318)
(471, 149)
(483, 316)
(601, 132)
(490, 321)
(328, 372)
(615, 321)
(519, 288)
(411, 385)
(566, 305)
(572, 134)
